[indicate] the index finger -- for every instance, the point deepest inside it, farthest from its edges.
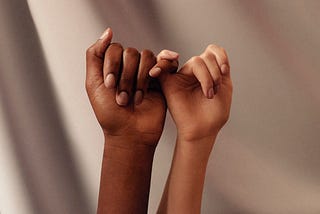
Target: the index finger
(94, 61)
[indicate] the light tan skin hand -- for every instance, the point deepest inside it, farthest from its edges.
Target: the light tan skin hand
(199, 94)
(199, 98)
(125, 104)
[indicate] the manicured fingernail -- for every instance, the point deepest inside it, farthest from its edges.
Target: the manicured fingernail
(123, 98)
(155, 72)
(224, 69)
(105, 33)
(210, 93)
(110, 81)
(138, 97)
(216, 89)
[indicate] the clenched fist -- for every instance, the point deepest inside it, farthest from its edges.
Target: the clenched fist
(199, 94)
(127, 102)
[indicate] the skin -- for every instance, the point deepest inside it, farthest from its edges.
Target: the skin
(124, 98)
(124, 101)
(199, 99)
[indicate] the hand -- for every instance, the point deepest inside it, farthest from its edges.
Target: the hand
(199, 95)
(127, 103)
(199, 99)
(131, 111)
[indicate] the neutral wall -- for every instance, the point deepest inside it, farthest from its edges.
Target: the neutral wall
(265, 160)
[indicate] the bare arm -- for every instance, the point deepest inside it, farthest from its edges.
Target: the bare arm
(199, 100)
(125, 177)
(131, 111)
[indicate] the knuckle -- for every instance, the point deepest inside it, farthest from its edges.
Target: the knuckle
(206, 54)
(224, 58)
(223, 50)
(209, 55)
(212, 47)
(90, 51)
(147, 53)
(131, 51)
(196, 60)
(116, 45)
(218, 51)
(161, 54)
(164, 52)
(223, 54)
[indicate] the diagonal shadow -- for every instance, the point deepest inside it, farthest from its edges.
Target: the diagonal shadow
(35, 126)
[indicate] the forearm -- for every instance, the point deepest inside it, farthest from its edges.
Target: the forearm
(183, 191)
(125, 177)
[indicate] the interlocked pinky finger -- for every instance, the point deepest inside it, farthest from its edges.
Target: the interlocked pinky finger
(167, 61)
(168, 55)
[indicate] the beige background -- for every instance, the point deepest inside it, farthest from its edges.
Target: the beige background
(266, 159)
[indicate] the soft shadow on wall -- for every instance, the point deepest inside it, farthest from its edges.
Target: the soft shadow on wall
(32, 116)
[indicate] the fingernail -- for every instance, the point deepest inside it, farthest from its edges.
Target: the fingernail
(105, 33)
(210, 93)
(110, 81)
(155, 72)
(123, 98)
(138, 97)
(224, 69)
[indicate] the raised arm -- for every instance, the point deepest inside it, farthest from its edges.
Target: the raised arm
(131, 112)
(199, 100)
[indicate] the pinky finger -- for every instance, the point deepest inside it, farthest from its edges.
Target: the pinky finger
(164, 66)
(166, 61)
(168, 55)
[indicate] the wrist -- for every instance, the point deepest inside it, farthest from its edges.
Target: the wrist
(128, 150)
(198, 136)
(130, 141)
(197, 147)
(125, 176)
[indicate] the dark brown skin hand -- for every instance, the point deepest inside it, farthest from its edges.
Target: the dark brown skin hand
(122, 103)
(131, 111)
